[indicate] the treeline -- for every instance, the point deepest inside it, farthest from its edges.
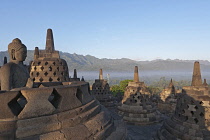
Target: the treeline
(155, 87)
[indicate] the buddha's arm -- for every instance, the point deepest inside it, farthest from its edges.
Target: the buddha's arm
(6, 77)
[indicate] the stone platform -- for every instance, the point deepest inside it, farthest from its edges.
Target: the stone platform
(62, 112)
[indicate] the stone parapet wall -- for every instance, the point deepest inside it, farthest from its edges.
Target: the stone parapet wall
(59, 112)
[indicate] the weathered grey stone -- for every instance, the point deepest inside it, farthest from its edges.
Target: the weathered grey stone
(101, 91)
(37, 126)
(68, 99)
(38, 104)
(7, 129)
(98, 122)
(14, 74)
(80, 131)
(9, 105)
(188, 121)
(196, 78)
(47, 65)
(57, 135)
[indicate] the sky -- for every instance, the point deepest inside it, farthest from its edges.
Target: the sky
(134, 29)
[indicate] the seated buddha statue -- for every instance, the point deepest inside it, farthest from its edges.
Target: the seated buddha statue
(15, 74)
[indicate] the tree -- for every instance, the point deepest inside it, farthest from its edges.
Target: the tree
(115, 89)
(124, 84)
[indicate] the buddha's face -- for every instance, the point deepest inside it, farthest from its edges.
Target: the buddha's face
(21, 54)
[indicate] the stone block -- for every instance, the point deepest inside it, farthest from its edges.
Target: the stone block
(69, 98)
(67, 114)
(98, 122)
(86, 93)
(7, 127)
(86, 107)
(80, 118)
(191, 107)
(38, 104)
(192, 132)
(77, 131)
(37, 126)
(9, 105)
(57, 135)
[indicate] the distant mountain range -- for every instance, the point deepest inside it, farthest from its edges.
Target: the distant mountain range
(91, 63)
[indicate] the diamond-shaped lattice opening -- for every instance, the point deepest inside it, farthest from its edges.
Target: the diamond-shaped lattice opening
(201, 103)
(58, 68)
(89, 89)
(201, 114)
(54, 73)
(46, 73)
(41, 79)
(54, 63)
(196, 107)
(17, 104)
(46, 63)
(192, 113)
(183, 111)
(35, 68)
(42, 68)
(62, 73)
(58, 79)
(37, 74)
(135, 101)
(54, 98)
(50, 79)
(33, 79)
(186, 118)
(50, 68)
(138, 97)
(32, 73)
(79, 95)
(196, 120)
(187, 106)
(39, 63)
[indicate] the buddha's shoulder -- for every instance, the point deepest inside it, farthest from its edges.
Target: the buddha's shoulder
(8, 66)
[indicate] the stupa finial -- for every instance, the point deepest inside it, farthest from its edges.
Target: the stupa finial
(100, 74)
(75, 73)
(49, 41)
(136, 74)
(196, 78)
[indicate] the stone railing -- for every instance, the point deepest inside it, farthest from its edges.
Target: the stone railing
(31, 111)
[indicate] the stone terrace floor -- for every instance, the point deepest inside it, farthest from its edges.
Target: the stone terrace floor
(138, 132)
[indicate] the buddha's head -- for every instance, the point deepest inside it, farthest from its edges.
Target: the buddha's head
(17, 50)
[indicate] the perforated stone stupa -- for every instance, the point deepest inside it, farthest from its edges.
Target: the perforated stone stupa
(101, 90)
(168, 99)
(137, 106)
(191, 120)
(47, 65)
